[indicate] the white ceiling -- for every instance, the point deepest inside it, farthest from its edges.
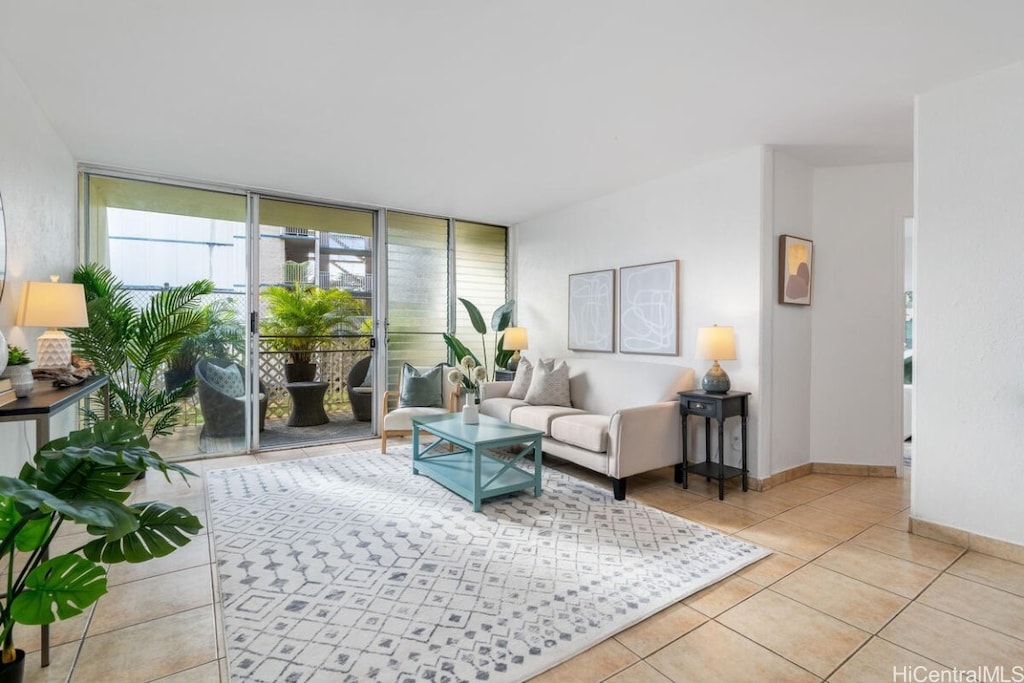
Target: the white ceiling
(495, 111)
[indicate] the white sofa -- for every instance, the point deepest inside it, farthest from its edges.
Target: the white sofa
(624, 418)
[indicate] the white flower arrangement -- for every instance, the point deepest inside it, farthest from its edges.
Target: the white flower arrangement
(469, 375)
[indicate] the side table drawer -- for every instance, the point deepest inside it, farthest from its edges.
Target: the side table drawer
(695, 406)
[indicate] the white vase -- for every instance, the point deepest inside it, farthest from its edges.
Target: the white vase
(471, 414)
(21, 379)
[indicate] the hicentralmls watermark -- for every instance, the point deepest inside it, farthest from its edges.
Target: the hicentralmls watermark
(980, 674)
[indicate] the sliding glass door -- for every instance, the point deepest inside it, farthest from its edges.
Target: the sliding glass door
(316, 312)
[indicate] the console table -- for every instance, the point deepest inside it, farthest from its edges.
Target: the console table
(719, 407)
(44, 402)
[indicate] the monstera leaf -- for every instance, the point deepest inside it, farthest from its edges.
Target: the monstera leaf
(66, 585)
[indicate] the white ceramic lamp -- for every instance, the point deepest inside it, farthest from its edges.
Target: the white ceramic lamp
(53, 304)
(715, 344)
(515, 339)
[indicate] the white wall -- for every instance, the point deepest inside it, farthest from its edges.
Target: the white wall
(788, 327)
(37, 185)
(856, 357)
(709, 217)
(969, 345)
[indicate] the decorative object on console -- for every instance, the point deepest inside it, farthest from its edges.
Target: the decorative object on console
(17, 360)
(515, 339)
(649, 308)
(592, 311)
(715, 344)
(53, 304)
(3, 354)
(795, 270)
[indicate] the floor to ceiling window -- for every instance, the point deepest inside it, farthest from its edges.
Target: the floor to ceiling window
(153, 235)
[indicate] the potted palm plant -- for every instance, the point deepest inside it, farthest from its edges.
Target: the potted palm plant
(79, 479)
(131, 344)
(301, 321)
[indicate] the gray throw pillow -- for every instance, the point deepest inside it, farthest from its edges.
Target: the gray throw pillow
(549, 387)
(422, 391)
(521, 381)
(227, 380)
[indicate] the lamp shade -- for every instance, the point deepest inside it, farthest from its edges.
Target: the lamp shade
(52, 304)
(515, 339)
(716, 343)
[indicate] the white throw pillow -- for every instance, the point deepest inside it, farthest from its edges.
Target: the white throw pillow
(549, 386)
(521, 382)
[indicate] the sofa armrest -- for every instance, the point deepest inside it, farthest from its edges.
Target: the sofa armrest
(644, 438)
(494, 389)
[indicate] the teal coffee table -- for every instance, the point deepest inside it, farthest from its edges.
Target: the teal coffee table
(467, 469)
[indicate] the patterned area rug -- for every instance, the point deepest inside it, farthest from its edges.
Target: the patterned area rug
(350, 568)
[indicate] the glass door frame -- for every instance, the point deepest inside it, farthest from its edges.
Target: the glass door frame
(254, 281)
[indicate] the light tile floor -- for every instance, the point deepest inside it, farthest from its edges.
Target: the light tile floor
(847, 596)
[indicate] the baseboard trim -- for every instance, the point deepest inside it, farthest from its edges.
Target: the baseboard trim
(1004, 550)
(821, 468)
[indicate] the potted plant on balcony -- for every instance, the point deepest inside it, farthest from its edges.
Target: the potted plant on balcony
(81, 479)
(223, 336)
(302, 319)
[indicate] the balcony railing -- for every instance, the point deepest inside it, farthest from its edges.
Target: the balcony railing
(334, 364)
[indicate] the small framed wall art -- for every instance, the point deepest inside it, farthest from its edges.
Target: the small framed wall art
(649, 308)
(592, 311)
(796, 267)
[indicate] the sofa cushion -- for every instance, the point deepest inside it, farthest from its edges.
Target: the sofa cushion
(422, 390)
(521, 381)
(549, 386)
(501, 408)
(586, 431)
(227, 380)
(540, 417)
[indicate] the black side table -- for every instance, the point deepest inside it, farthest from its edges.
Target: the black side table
(307, 403)
(719, 407)
(504, 375)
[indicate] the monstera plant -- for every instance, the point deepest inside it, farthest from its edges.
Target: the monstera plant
(79, 479)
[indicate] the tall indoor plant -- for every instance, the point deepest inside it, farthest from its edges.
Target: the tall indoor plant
(300, 321)
(500, 320)
(81, 479)
(131, 344)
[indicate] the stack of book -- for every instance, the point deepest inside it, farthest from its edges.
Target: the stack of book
(6, 391)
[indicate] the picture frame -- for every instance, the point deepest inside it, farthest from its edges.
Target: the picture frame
(649, 308)
(796, 270)
(592, 311)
